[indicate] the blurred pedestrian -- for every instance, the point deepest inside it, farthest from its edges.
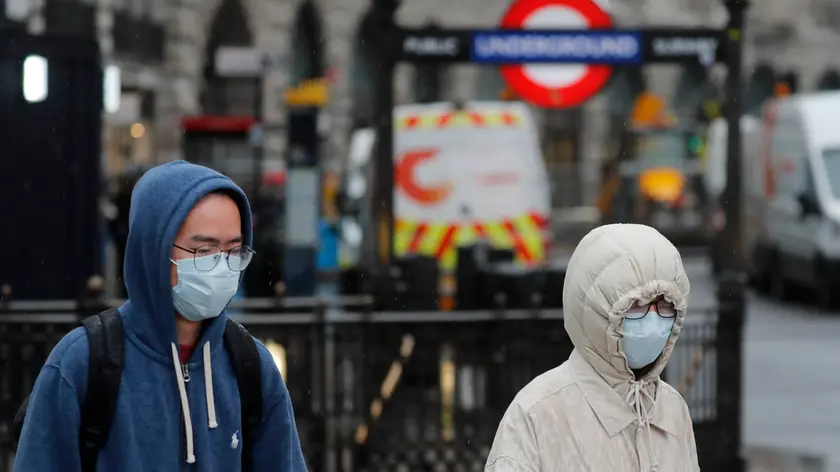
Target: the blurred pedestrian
(605, 408)
(118, 225)
(180, 400)
(610, 185)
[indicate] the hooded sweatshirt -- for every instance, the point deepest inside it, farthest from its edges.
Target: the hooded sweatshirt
(591, 414)
(165, 421)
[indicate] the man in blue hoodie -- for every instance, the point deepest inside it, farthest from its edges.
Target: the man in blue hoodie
(178, 407)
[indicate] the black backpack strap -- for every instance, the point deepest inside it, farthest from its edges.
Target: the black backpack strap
(246, 362)
(17, 425)
(105, 337)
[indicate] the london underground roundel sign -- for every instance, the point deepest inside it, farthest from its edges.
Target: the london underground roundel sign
(556, 85)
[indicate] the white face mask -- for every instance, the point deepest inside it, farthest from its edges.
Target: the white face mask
(201, 295)
(645, 335)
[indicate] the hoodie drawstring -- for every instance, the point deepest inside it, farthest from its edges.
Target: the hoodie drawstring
(185, 404)
(636, 398)
(208, 388)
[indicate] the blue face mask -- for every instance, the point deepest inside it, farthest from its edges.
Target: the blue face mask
(201, 295)
(644, 338)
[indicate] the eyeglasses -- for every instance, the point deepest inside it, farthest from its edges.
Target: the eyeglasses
(207, 257)
(660, 307)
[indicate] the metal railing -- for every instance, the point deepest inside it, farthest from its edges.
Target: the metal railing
(388, 391)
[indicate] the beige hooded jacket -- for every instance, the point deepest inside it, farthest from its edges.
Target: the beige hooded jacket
(590, 414)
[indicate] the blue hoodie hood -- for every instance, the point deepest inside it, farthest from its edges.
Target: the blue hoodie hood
(160, 203)
(169, 415)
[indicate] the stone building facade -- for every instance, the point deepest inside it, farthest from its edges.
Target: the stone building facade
(786, 35)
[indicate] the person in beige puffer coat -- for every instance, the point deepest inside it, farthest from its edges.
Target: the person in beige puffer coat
(605, 408)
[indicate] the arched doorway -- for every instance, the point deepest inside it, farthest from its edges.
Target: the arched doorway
(490, 84)
(627, 84)
(225, 95)
(830, 80)
(693, 90)
(308, 44)
(363, 79)
(760, 88)
(427, 85)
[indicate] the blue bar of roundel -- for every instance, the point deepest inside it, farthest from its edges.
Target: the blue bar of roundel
(569, 47)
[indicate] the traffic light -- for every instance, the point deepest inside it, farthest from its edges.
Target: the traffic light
(695, 144)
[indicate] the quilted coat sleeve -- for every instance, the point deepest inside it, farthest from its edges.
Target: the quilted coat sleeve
(691, 444)
(515, 447)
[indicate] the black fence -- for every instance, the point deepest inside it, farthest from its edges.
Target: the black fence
(393, 391)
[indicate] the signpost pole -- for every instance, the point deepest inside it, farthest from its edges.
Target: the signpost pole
(732, 196)
(730, 294)
(383, 211)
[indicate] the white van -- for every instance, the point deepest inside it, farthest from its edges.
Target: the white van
(752, 183)
(714, 169)
(462, 173)
(801, 151)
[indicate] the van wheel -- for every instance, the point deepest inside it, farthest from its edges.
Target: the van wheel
(778, 286)
(761, 269)
(827, 297)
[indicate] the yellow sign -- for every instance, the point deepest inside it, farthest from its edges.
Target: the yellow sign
(647, 110)
(651, 111)
(312, 93)
(662, 184)
(385, 242)
(330, 188)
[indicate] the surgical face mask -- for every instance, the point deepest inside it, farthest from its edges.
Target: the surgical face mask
(201, 295)
(645, 337)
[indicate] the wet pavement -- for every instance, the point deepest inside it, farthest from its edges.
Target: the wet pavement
(791, 407)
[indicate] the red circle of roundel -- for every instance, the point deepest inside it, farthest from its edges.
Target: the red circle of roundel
(593, 80)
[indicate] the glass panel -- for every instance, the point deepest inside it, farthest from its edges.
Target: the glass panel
(667, 148)
(831, 158)
(490, 84)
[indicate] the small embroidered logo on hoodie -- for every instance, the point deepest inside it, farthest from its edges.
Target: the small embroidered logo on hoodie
(234, 440)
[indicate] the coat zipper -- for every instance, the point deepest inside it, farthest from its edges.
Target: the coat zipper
(183, 449)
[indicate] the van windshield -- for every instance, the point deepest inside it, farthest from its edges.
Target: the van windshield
(661, 148)
(831, 158)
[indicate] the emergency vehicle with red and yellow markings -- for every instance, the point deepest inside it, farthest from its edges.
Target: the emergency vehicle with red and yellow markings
(462, 174)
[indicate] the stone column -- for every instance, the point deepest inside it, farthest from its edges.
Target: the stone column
(593, 146)
(341, 22)
(36, 23)
(177, 96)
(104, 27)
(273, 25)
